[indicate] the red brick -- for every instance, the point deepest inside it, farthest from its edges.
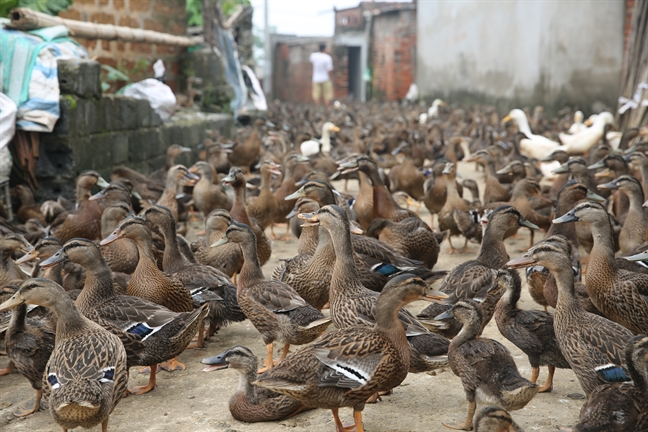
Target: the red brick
(129, 21)
(85, 2)
(153, 25)
(104, 3)
(140, 5)
(105, 45)
(71, 13)
(119, 5)
(142, 48)
(102, 18)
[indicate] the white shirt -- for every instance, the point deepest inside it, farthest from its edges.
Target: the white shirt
(322, 65)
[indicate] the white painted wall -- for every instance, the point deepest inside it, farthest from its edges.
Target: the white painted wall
(521, 52)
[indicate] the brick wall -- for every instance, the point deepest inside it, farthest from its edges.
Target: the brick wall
(393, 52)
(293, 72)
(134, 59)
(629, 9)
(340, 72)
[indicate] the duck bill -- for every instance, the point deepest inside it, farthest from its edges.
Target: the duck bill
(136, 194)
(588, 122)
(227, 180)
(292, 213)
(435, 297)
(562, 169)
(32, 255)
(220, 242)
(114, 236)
(567, 217)
(102, 183)
(275, 172)
(14, 301)
(602, 174)
(610, 185)
(302, 159)
(355, 230)
(335, 129)
(597, 165)
(309, 218)
(525, 223)
(185, 150)
(349, 170)
(295, 195)
(54, 260)
(444, 316)
(594, 197)
(225, 150)
(549, 158)
(645, 204)
(99, 195)
(638, 257)
(507, 119)
(521, 262)
(217, 362)
(505, 170)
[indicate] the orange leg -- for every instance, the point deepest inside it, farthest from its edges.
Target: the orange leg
(468, 424)
(20, 412)
(173, 365)
(200, 343)
(535, 373)
(548, 386)
(10, 368)
(269, 364)
(140, 390)
(286, 350)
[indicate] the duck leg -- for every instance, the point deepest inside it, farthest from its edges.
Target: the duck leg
(339, 427)
(140, 390)
(200, 343)
(357, 418)
(286, 236)
(468, 424)
(104, 426)
(531, 238)
(20, 412)
(452, 249)
(172, 365)
(268, 363)
(548, 386)
(10, 368)
(465, 248)
(285, 352)
(535, 372)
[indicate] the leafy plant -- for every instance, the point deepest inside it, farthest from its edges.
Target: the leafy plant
(6, 6)
(111, 76)
(194, 9)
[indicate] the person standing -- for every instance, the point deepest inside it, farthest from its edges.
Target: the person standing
(322, 85)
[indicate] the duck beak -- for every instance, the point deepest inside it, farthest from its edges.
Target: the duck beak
(444, 316)
(610, 185)
(14, 301)
(567, 217)
(217, 362)
(602, 174)
(505, 170)
(136, 194)
(28, 257)
(99, 195)
(55, 259)
(292, 213)
(298, 194)
(645, 204)
(562, 169)
(638, 257)
(185, 150)
(115, 235)
(102, 183)
(302, 159)
(228, 180)
(220, 242)
(549, 158)
(588, 122)
(335, 129)
(310, 218)
(435, 297)
(525, 223)
(507, 119)
(348, 167)
(597, 165)
(521, 262)
(355, 230)
(594, 197)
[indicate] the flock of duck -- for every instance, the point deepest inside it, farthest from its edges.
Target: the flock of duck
(93, 288)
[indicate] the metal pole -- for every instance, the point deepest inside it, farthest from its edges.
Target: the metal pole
(267, 78)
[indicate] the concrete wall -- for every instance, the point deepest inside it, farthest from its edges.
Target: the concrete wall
(518, 53)
(135, 59)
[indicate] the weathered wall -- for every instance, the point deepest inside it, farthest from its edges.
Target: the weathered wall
(292, 70)
(135, 59)
(393, 53)
(521, 53)
(102, 132)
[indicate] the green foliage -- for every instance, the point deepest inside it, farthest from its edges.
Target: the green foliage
(50, 7)
(194, 9)
(110, 77)
(6, 6)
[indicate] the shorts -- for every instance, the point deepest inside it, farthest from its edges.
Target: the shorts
(324, 88)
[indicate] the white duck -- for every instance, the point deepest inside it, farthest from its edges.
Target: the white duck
(433, 111)
(578, 125)
(534, 146)
(312, 147)
(583, 141)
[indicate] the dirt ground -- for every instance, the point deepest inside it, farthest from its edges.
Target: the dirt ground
(195, 401)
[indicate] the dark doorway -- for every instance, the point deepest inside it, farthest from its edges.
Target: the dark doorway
(355, 73)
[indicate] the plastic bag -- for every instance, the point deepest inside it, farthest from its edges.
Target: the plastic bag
(8, 110)
(159, 95)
